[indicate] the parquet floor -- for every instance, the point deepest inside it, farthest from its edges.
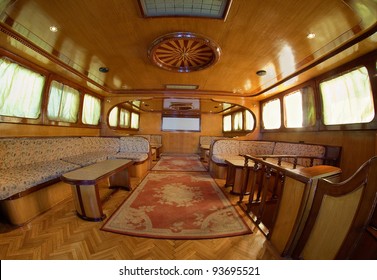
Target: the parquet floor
(59, 234)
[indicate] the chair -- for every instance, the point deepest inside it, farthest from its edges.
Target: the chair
(339, 216)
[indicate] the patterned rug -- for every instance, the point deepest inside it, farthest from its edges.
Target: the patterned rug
(179, 163)
(177, 206)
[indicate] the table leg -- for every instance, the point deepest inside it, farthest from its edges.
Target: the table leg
(87, 202)
(121, 179)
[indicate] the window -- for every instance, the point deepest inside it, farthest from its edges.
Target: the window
(299, 108)
(182, 123)
(238, 121)
(91, 111)
(124, 119)
(63, 103)
(271, 116)
(347, 99)
(134, 120)
(20, 90)
(113, 117)
(249, 121)
(227, 123)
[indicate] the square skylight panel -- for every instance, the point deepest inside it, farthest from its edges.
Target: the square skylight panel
(185, 8)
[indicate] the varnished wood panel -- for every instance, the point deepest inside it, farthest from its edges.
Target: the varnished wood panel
(288, 209)
(329, 231)
(23, 130)
(180, 142)
(21, 210)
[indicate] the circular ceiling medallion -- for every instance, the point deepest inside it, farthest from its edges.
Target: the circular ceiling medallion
(183, 52)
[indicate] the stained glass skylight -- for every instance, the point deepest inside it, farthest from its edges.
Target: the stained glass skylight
(185, 8)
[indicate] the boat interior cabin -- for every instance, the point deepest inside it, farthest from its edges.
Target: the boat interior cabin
(274, 102)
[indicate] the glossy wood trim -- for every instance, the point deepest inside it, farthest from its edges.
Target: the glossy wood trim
(52, 57)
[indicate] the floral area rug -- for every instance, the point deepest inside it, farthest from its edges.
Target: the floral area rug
(177, 206)
(179, 163)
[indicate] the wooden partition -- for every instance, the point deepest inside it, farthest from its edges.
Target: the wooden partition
(281, 198)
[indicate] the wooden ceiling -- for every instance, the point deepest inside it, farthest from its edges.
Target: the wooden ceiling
(265, 35)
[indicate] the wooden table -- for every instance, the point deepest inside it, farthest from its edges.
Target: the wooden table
(84, 183)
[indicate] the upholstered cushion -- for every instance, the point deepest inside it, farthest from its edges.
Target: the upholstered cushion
(221, 158)
(100, 144)
(138, 157)
(134, 144)
(20, 178)
(21, 151)
(205, 140)
(227, 147)
(87, 158)
(299, 149)
(256, 147)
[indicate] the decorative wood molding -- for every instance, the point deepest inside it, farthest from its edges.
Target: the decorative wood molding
(184, 52)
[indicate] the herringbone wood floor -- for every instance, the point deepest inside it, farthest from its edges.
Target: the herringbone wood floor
(60, 234)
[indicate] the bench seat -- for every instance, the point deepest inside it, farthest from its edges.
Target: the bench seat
(297, 155)
(30, 168)
(87, 158)
(135, 156)
(20, 178)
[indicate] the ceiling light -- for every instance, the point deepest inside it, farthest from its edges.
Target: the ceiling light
(261, 72)
(53, 28)
(310, 35)
(103, 69)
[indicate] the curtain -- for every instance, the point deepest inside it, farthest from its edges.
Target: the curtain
(249, 120)
(135, 120)
(63, 103)
(271, 114)
(20, 91)
(91, 110)
(348, 99)
(299, 108)
(113, 117)
(124, 118)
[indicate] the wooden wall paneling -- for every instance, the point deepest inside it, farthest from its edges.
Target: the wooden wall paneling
(25, 130)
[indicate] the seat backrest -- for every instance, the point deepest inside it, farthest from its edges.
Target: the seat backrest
(225, 146)
(339, 214)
